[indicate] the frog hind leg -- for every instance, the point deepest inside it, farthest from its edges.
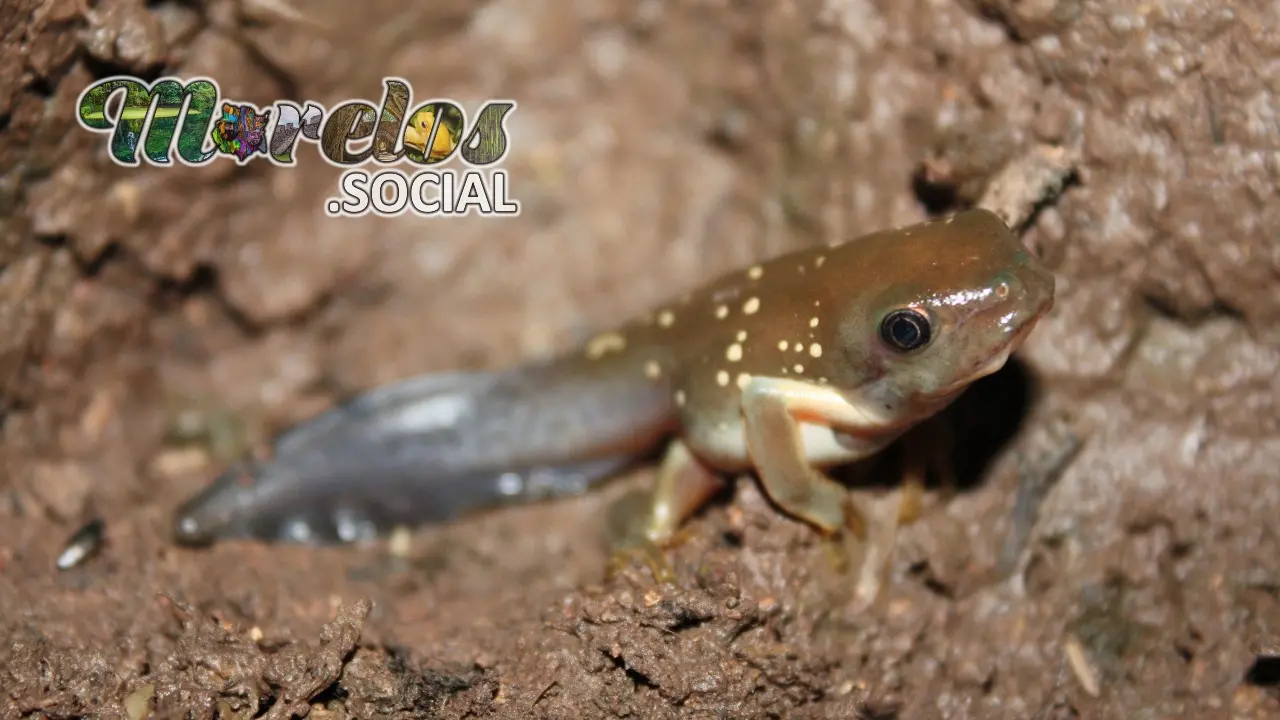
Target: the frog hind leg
(684, 485)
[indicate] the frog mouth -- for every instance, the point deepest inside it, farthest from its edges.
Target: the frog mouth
(994, 362)
(999, 355)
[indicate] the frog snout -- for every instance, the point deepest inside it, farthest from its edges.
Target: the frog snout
(1028, 290)
(1037, 288)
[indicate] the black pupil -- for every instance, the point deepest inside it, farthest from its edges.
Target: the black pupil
(906, 330)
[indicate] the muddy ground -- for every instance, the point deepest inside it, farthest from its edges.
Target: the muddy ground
(153, 319)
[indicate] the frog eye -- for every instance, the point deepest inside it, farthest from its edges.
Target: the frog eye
(906, 329)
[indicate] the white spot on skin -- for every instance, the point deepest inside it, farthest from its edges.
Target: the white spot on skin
(799, 368)
(722, 378)
(743, 379)
(799, 346)
(734, 353)
(436, 411)
(510, 484)
(722, 312)
(605, 343)
(782, 345)
(742, 336)
(652, 369)
(755, 272)
(815, 350)
(813, 321)
(665, 318)
(298, 530)
(820, 259)
(353, 529)
(680, 398)
(751, 306)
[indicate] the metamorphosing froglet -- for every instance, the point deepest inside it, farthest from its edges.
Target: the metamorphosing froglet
(817, 358)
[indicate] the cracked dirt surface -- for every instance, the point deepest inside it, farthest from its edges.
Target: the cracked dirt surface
(153, 321)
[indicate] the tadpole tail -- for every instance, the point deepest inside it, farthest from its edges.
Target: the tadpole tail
(430, 449)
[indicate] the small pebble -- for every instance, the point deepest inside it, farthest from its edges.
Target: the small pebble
(400, 543)
(138, 705)
(84, 544)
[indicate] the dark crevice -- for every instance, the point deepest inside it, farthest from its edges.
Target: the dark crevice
(731, 539)
(1221, 308)
(167, 293)
(101, 69)
(687, 620)
(880, 710)
(170, 293)
(1051, 197)
(924, 573)
(998, 17)
(634, 675)
(43, 87)
(189, 4)
(334, 692)
(1265, 671)
(1181, 549)
(1184, 652)
(936, 197)
(941, 197)
(203, 280)
(91, 266)
(986, 418)
(1163, 307)
(52, 241)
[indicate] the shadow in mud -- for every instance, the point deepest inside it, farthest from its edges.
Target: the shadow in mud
(987, 417)
(981, 422)
(1265, 672)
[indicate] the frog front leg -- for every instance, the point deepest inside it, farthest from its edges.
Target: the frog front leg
(776, 412)
(792, 426)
